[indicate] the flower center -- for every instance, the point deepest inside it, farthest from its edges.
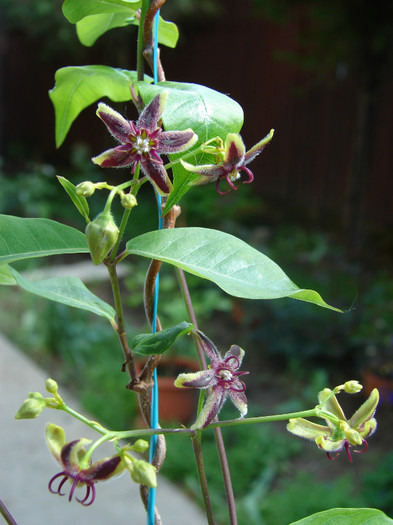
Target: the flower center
(142, 145)
(235, 175)
(225, 375)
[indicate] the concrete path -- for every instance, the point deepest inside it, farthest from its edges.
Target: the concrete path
(26, 465)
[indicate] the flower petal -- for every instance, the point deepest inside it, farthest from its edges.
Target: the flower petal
(234, 357)
(211, 408)
(331, 405)
(208, 347)
(256, 150)
(306, 429)
(55, 438)
(72, 453)
(239, 399)
(366, 411)
(151, 114)
(104, 469)
(117, 125)
(118, 157)
(211, 172)
(329, 445)
(201, 379)
(157, 175)
(175, 141)
(234, 151)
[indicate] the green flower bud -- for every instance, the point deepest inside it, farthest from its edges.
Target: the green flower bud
(35, 395)
(144, 473)
(352, 387)
(85, 189)
(128, 200)
(101, 235)
(51, 386)
(140, 446)
(31, 408)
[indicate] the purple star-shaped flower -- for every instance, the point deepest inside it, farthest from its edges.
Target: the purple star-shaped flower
(70, 456)
(143, 141)
(223, 379)
(235, 159)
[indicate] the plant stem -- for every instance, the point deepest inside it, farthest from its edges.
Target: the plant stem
(217, 431)
(141, 41)
(92, 424)
(120, 329)
(264, 419)
(226, 475)
(196, 445)
(6, 514)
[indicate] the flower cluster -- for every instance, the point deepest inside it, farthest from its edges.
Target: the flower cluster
(339, 432)
(221, 378)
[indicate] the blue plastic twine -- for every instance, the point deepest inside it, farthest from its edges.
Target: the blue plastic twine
(151, 501)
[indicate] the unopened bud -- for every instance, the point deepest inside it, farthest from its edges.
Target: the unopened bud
(144, 473)
(51, 386)
(352, 387)
(31, 408)
(101, 235)
(140, 446)
(128, 200)
(85, 189)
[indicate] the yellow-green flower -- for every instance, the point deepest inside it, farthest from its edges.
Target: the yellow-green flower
(339, 432)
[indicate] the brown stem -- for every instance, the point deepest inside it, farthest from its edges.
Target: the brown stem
(217, 431)
(6, 514)
(149, 39)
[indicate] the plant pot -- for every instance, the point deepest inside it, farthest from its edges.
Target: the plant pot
(384, 385)
(175, 404)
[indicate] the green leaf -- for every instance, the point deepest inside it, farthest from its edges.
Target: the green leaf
(79, 201)
(29, 238)
(346, 517)
(77, 87)
(148, 344)
(66, 290)
(209, 113)
(75, 10)
(6, 277)
(233, 265)
(90, 28)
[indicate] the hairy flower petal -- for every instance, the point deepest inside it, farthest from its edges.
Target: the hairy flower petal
(306, 429)
(157, 174)
(117, 125)
(201, 379)
(258, 148)
(118, 157)
(176, 141)
(239, 399)
(55, 439)
(151, 114)
(366, 411)
(211, 408)
(234, 151)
